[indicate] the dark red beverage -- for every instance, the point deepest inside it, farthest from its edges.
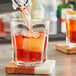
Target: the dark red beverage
(71, 30)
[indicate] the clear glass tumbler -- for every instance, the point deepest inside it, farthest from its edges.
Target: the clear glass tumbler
(29, 46)
(71, 28)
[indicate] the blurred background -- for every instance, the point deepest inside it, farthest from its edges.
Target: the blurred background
(52, 10)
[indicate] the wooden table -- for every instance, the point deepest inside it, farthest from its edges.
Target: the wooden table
(65, 64)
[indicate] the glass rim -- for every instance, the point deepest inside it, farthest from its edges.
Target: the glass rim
(37, 20)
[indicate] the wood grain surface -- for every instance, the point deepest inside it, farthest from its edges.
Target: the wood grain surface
(12, 68)
(65, 64)
(65, 49)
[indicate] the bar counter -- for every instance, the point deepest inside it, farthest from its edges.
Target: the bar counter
(65, 63)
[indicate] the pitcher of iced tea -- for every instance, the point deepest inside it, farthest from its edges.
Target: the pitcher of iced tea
(29, 46)
(71, 28)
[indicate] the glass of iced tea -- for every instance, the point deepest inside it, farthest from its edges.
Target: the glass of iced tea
(71, 28)
(29, 46)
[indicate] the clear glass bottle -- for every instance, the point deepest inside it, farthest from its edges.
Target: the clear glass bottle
(53, 23)
(37, 11)
(61, 11)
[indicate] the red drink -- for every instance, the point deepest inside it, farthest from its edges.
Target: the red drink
(71, 30)
(29, 45)
(30, 48)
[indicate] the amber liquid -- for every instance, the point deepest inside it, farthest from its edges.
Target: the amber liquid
(71, 30)
(29, 49)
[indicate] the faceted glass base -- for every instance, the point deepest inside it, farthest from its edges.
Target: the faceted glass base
(28, 63)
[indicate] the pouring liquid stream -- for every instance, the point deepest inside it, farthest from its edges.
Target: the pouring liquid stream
(27, 17)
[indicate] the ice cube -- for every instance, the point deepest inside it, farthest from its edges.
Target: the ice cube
(35, 34)
(22, 26)
(38, 26)
(26, 33)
